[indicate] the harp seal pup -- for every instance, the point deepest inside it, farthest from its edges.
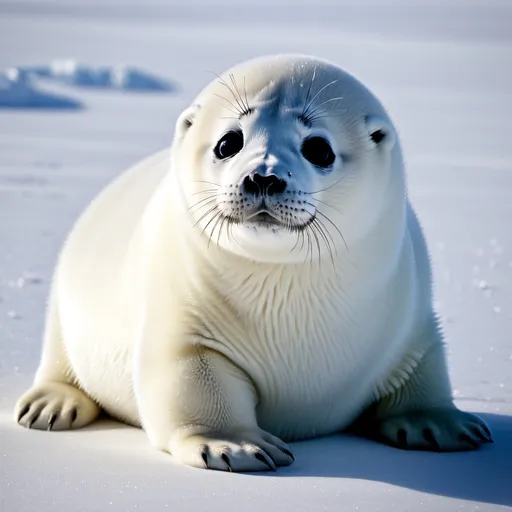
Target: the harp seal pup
(265, 281)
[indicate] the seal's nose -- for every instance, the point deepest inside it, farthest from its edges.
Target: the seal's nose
(268, 185)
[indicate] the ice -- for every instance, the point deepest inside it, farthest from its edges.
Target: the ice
(71, 72)
(20, 87)
(17, 90)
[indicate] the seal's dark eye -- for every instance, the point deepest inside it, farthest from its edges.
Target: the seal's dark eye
(377, 136)
(230, 144)
(318, 151)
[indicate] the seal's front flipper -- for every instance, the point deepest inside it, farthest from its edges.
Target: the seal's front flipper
(55, 406)
(242, 450)
(53, 402)
(420, 414)
(200, 407)
(439, 429)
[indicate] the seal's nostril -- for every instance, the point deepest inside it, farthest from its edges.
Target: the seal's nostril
(263, 185)
(250, 187)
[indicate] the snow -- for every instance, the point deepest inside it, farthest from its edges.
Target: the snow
(443, 70)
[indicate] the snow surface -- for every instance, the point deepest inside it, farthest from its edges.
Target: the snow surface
(444, 70)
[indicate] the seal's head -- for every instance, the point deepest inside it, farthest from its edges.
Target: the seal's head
(287, 159)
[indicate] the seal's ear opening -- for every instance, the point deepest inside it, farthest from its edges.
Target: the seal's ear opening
(186, 120)
(381, 133)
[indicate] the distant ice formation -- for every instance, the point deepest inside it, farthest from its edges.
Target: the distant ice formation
(122, 77)
(17, 90)
(18, 86)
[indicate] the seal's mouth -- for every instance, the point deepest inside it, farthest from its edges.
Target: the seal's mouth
(263, 218)
(266, 219)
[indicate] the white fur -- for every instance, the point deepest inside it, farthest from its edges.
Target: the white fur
(223, 338)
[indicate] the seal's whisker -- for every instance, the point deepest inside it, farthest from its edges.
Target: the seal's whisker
(303, 239)
(332, 223)
(225, 106)
(219, 218)
(228, 232)
(317, 226)
(213, 217)
(326, 204)
(317, 240)
(211, 204)
(224, 219)
(190, 214)
(309, 230)
(208, 199)
(210, 190)
(234, 222)
(309, 91)
(225, 84)
(228, 224)
(213, 208)
(306, 113)
(246, 100)
(245, 106)
(309, 252)
(291, 229)
(326, 188)
(209, 182)
(324, 114)
(328, 234)
(239, 100)
(311, 114)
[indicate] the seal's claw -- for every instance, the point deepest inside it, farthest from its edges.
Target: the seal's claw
(480, 435)
(204, 455)
(261, 457)
(485, 428)
(465, 438)
(226, 460)
(51, 421)
(73, 416)
(287, 452)
(401, 437)
(22, 412)
(429, 436)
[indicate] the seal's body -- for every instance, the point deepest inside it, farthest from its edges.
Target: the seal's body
(266, 280)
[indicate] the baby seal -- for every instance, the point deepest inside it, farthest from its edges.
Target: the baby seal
(265, 281)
